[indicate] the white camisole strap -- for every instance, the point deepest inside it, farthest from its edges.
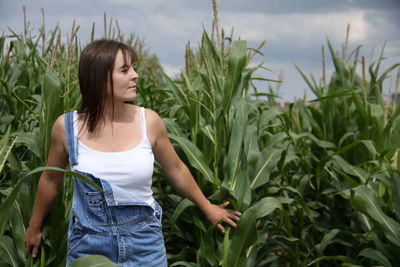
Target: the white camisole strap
(143, 123)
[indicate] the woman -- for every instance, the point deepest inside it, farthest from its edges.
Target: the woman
(114, 144)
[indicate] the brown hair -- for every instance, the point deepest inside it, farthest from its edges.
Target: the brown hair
(96, 66)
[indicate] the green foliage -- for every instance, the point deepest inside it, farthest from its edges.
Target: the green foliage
(317, 183)
(96, 260)
(326, 168)
(37, 84)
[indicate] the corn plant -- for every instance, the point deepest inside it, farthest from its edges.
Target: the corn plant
(216, 126)
(38, 83)
(317, 182)
(321, 171)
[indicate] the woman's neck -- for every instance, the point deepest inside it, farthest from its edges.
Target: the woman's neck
(120, 113)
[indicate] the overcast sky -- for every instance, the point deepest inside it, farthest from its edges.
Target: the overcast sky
(294, 30)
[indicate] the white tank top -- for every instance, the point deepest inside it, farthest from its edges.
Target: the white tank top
(128, 171)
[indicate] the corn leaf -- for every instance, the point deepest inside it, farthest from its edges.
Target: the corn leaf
(7, 204)
(93, 261)
(196, 157)
(375, 255)
(8, 252)
(366, 201)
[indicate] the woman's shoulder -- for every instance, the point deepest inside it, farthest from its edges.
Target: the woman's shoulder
(58, 126)
(155, 124)
(152, 117)
(59, 122)
(58, 132)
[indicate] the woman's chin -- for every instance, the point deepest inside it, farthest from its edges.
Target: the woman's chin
(126, 98)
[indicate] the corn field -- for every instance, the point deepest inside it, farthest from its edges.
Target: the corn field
(317, 182)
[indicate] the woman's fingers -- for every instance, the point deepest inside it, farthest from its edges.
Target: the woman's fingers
(32, 242)
(230, 222)
(237, 213)
(35, 251)
(223, 205)
(27, 250)
(230, 217)
(31, 248)
(234, 217)
(221, 228)
(233, 214)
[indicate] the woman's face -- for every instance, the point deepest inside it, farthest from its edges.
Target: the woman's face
(124, 78)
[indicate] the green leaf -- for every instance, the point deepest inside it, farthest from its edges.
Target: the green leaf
(236, 63)
(183, 263)
(326, 240)
(226, 245)
(334, 95)
(244, 236)
(207, 248)
(208, 131)
(375, 255)
(346, 167)
(250, 143)
(214, 55)
(93, 261)
(341, 258)
(236, 141)
(265, 165)
(18, 230)
(196, 157)
(182, 206)
(267, 205)
(366, 201)
(240, 189)
(173, 127)
(5, 148)
(396, 193)
(8, 202)
(268, 115)
(51, 108)
(8, 252)
(32, 141)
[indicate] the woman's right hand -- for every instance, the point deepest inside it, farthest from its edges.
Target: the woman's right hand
(32, 242)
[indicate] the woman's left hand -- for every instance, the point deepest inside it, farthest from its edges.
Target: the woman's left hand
(216, 213)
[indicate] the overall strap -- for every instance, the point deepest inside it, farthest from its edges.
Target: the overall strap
(71, 139)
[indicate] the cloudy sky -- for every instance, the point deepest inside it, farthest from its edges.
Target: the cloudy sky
(294, 30)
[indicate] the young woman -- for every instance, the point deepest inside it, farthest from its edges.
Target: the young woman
(114, 144)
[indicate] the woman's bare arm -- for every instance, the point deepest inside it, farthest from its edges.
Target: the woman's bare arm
(180, 176)
(48, 188)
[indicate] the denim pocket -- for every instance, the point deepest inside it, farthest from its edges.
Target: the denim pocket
(76, 238)
(84, 244)
(95, 208)
(157, 212)
(154, 226)
(154, 223)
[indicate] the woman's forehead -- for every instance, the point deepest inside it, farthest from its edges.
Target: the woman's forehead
(123, 57)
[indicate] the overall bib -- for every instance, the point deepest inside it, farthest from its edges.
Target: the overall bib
(126, 231)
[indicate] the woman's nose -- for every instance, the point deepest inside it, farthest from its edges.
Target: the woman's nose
(134, 74)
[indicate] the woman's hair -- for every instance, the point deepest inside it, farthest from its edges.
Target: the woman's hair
(96, 66)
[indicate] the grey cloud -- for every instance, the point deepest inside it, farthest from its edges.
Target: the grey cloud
(295, 30)
(305, 6)
(385, 24)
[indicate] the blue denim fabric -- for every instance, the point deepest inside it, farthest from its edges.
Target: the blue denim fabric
(129, 234)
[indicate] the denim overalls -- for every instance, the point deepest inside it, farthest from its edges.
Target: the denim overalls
(129, 234)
